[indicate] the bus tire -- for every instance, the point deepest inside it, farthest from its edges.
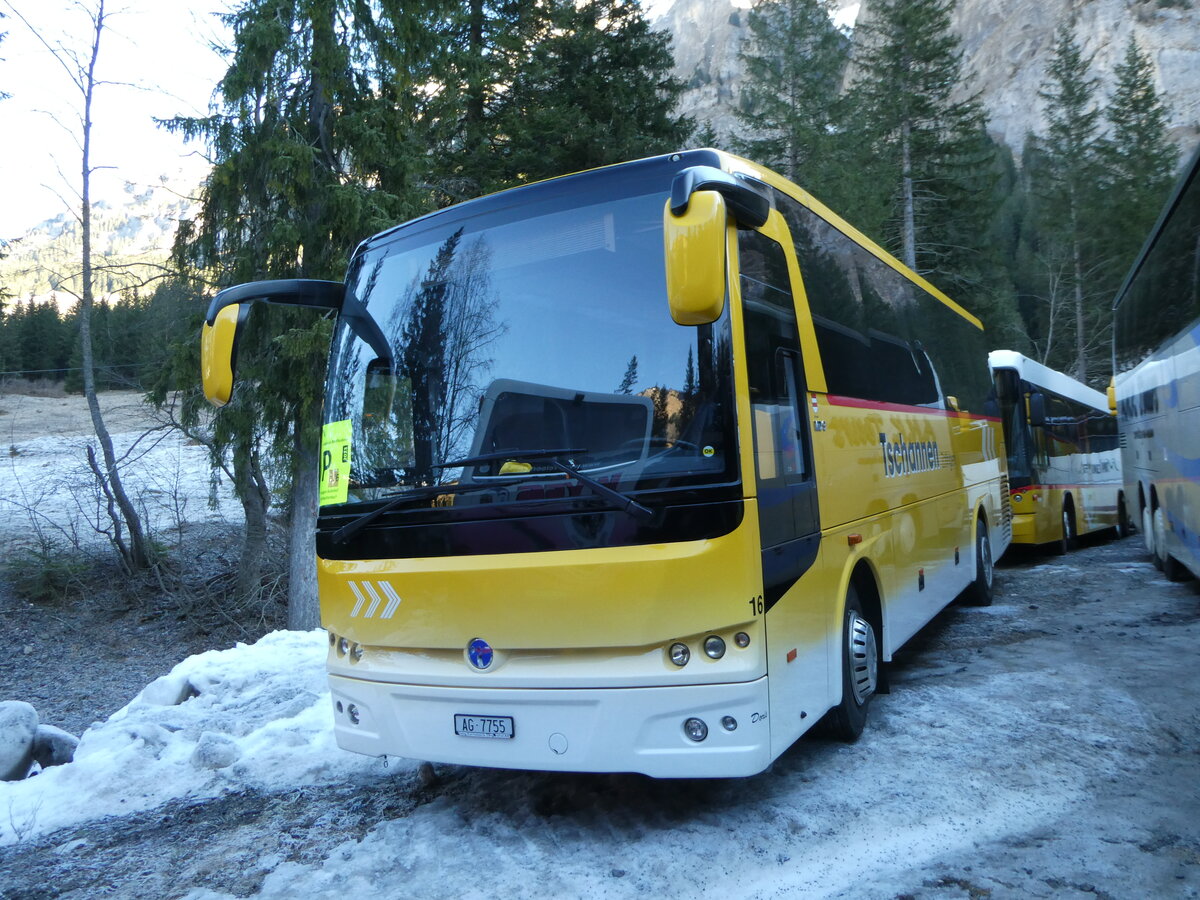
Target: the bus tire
(1170, 566)
(860, 671)
(1067, 542)
(1123, 529)
(1160, 539)
(1148, 533)
(979, 591)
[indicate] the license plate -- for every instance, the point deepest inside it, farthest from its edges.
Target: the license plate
(483, 726)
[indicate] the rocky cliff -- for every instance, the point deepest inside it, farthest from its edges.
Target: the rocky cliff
(1006, 44)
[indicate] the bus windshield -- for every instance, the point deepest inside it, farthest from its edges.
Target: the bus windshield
(528, 340)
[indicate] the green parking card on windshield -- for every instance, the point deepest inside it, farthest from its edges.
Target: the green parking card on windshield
(335, 462)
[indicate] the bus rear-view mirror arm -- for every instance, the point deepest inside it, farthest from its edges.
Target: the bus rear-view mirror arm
(229, 309)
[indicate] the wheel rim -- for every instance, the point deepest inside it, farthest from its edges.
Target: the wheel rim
(1066, 529)
(1147, 531)
(864, 658)
(985, 558)
(1160, 534)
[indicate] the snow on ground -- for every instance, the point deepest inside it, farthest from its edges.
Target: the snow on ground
(952, 762)
(48, 485)
(251, 716)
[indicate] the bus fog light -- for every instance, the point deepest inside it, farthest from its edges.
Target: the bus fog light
(332, 639)
(680, 654)
(714, 647)
(729, 723)
(695, 729)
(356, 653)
(742, 639)
(352, 712)
(343, 647)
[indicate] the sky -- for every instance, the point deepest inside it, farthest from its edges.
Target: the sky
(158, 56)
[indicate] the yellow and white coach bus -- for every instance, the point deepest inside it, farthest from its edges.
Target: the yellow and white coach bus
(645, 469)
(1064, 466)
(1156, 361)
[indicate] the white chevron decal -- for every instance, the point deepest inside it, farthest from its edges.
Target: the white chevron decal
(366, 594)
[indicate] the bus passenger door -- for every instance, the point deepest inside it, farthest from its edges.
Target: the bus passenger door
(785, 487)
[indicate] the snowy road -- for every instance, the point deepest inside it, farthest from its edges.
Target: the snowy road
(1048, 746)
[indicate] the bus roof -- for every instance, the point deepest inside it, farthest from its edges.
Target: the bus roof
(1045, 377)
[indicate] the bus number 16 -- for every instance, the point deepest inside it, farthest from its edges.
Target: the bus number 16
(756, 606)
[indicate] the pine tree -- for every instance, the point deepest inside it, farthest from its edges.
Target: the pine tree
(307, 162)
(1065, 182)
(630, 378)
(594, 88)
(928, 145)
(790, 104)
(1138, 162)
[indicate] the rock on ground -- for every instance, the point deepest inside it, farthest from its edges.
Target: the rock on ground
(18, 727)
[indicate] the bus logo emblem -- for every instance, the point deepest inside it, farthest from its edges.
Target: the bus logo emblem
(480, 653)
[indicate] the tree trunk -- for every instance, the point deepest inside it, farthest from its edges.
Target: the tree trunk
(304, 612)
(136, 555)
(909, 235)
(252, 490)
(1077, 262)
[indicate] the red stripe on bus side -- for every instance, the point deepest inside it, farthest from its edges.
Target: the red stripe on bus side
(856, 403)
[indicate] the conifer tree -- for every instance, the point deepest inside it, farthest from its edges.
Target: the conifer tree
(918, 138)
(306, 163)
(790, 104)
(1138, 162)
(593, 87)
(1064, 177)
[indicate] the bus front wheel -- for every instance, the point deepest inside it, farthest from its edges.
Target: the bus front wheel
(860, 671)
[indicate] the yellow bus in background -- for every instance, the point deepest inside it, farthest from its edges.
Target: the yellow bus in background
(1064, 465)
(644, 469)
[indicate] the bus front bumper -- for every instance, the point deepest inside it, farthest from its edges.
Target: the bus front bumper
(564, 730)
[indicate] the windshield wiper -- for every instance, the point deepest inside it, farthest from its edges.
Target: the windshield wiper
(626, 503)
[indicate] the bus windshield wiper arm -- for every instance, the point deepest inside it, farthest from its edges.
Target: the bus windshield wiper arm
(354, 526)
(627, 504)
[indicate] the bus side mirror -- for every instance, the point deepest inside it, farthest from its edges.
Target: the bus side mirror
(694, 244)
(1111, 392)
(218, 343)
(1037, 410)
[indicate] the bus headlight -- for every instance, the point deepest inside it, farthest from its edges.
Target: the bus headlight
(680, 654)
(695, 729)
(343, 647)
(714, 647)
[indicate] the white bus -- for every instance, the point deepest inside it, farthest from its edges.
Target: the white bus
(1156, 361)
